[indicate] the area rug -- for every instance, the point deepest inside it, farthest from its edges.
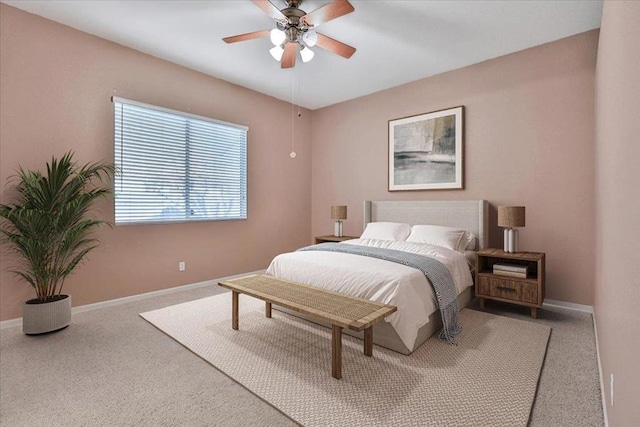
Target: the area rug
(489, 379)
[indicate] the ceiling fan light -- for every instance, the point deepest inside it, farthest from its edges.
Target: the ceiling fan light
(276, 52)
(277, 36)
(306, 54)
(310, 38)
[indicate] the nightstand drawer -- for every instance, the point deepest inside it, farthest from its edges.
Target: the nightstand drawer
(510, 289)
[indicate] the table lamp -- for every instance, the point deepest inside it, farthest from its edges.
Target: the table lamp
(338, 213)
(510, 217)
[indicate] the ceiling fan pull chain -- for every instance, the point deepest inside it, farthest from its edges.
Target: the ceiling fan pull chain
(299, 92)
(293, 121)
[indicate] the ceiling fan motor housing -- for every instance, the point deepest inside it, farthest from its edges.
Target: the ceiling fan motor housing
(294, 3)
(294, 26)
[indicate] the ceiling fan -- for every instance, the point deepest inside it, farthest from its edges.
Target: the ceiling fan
(295, 30)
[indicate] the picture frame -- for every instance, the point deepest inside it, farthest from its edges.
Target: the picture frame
(426, 151)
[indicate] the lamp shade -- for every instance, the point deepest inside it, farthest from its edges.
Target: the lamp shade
(306, 54)
(338, 212)
(277, 36)
(310, 38)
(510, 216)
(276, 52)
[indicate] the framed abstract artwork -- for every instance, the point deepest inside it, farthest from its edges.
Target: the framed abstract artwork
(426, 151)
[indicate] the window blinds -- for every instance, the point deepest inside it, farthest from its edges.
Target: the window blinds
(176, 167)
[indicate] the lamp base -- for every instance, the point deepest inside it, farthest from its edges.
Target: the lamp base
(510, 240)
(338, 229)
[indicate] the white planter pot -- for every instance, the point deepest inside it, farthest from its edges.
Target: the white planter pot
(40, 318)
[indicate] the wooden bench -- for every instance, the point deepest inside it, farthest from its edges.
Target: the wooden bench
(341, 311)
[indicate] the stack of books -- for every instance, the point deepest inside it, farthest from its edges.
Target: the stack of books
(511, 270)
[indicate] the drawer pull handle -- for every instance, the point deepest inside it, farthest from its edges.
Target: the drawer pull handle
(504, 288)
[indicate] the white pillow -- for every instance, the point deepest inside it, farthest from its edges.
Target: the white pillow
(386, 231)
(447, 237)
(469, 242)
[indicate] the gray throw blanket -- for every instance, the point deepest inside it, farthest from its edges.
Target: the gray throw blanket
(437, 273)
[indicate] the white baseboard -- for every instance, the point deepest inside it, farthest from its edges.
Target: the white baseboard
(11, 323)
(602, 392)
(103, 304)
(82, 308)
(568, 305)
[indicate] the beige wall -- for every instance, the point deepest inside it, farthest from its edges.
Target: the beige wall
(529, 141)
(617, 296)
(55, 88)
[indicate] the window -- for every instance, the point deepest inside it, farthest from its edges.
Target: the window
(176, 167)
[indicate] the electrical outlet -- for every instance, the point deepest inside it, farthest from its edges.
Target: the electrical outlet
(611, 388)
(182, 266)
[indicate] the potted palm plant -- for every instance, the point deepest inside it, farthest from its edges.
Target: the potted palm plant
(48, 231)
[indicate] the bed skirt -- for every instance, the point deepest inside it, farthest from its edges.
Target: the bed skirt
(383, 333)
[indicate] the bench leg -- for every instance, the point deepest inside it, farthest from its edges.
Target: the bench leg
(368, 341)
(267, 310)
(336, 352)
(234, 310)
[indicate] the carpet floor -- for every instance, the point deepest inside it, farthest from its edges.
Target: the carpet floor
(286, 361)
(111, 367)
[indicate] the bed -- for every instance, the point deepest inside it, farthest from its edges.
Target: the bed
(417, 317)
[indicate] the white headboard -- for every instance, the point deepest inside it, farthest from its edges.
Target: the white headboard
(471, 215)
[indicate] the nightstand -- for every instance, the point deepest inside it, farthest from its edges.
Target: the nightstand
(527, 291)
(325, 239)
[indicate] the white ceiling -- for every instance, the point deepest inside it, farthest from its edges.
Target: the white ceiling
(397, 41)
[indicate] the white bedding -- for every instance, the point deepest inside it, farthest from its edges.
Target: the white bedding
(384, 281)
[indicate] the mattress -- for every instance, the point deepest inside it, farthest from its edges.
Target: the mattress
(378, 280)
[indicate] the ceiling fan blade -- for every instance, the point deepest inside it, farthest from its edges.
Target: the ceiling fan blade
(289, 55)
(268, 8)
(333, 45)
(328, 12)
(247, 36)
